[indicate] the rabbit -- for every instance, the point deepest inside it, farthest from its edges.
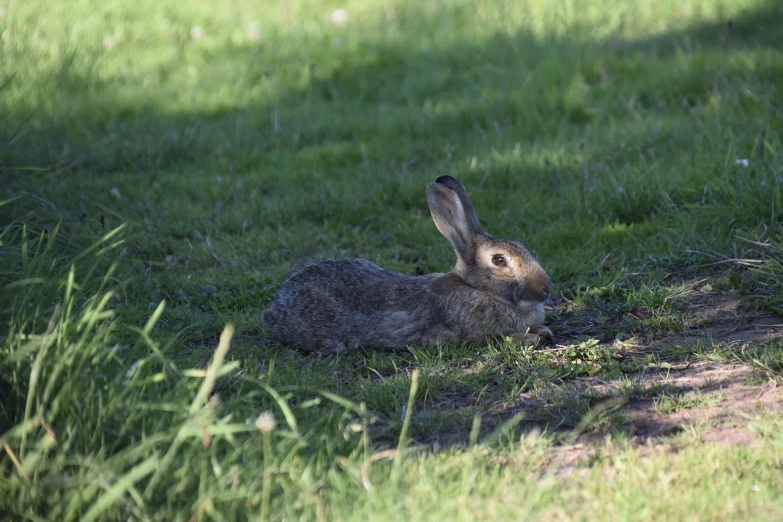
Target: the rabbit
(497, 288)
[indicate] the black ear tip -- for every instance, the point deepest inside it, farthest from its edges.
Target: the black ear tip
(445, 180)
(449, 182)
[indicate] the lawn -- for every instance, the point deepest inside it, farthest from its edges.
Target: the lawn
(164, 165)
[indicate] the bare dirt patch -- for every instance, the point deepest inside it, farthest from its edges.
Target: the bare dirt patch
(718, 400)
(733, 404)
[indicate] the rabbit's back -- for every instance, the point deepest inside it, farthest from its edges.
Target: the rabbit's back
(346, 303)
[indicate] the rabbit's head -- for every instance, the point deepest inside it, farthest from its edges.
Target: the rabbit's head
(503, 268)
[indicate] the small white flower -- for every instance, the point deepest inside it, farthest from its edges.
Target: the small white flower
(338, 17)
(253, 31)
(196, 34)
(743, 162)
(109, 43)
(266, 422)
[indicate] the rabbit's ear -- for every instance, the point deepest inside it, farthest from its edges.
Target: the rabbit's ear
(454, 216)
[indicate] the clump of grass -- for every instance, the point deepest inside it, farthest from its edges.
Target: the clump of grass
(666, 404)
(766, 359)
(760, 277)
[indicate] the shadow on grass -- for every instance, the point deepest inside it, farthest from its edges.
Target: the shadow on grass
(710, 371)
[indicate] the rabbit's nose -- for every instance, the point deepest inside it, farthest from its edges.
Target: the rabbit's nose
(537, 289)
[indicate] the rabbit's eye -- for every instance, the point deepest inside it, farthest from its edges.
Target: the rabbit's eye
(499, 260)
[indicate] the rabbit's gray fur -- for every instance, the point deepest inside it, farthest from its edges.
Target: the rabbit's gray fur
(343, 304)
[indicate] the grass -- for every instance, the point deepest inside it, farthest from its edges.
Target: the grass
(667, 404)
(163, 166)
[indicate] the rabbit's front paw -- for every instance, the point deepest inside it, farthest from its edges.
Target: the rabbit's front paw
(543, 333)
(537, 335)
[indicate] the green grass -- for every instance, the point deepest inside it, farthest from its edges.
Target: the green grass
(164, 165)
(668, 404)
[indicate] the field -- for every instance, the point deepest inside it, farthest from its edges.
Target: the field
(164, 165)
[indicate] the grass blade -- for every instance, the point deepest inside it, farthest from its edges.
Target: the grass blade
(217, 362)
(403, 440)
(123, 485)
